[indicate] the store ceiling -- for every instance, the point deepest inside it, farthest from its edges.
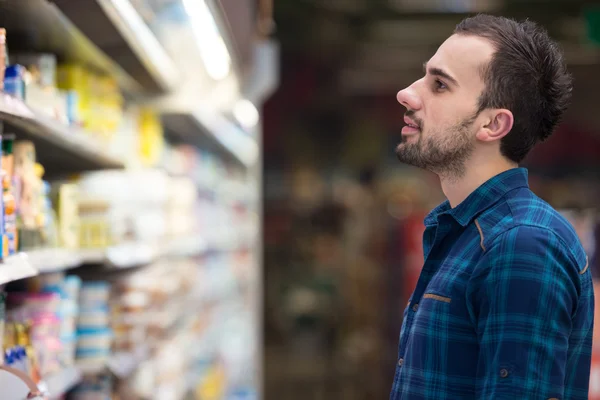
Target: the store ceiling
(377, 46)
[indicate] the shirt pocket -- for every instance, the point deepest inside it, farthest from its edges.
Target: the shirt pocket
(442, 313)
(437, 297)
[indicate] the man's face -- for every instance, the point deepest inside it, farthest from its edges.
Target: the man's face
(442, 106)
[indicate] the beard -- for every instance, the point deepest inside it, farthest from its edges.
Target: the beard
(441, 152)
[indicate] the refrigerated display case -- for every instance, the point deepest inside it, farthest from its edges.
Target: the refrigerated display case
(131, 217)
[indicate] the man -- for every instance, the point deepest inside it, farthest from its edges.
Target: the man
(504, 305)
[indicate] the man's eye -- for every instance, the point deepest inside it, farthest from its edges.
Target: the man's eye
(439, 85)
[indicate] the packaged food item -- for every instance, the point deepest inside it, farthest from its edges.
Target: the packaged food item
(23, 306)
(94, 336)
(2, 322)
(94, 340)
(72, 108)
(24, 180)
(151, 137)
(94, 295)
(41, 67)
(18, 351)
(64, 289)
(94, 230)
(46, 218)
(92, 101)
(66, 199)
(38, 196)
(72, 286)
(9, 206)
(69, 348)
(90, 319)
(3, 55)
(14, 81)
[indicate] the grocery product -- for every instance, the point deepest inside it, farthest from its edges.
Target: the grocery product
(94, 229)
(43, 321)
(2, 323)
(65, 197)
(40, 312)
(10, 238)
(150, 137)
(91, 100)
(3, 55)
(47, 220)
(94, 336)
(24, 179)
(41, 67)
(14, 81)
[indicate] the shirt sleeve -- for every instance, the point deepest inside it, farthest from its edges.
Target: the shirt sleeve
(522, 296)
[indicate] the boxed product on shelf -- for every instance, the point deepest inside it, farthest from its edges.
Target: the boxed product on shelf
(9, 205)
(40, 311)
(41, 67)
(151, 139)
(94, 227)
(35, 216)
(135, 203)
(95, 100)
(14, 81)
(94, 338)
(3, 56)
(49, 307)
(2, 323)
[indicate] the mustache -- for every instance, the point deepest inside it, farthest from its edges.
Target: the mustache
(411, 114)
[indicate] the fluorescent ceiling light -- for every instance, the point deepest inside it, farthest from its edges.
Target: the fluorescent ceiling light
(142, 41)
(210, 41)
(246, 113)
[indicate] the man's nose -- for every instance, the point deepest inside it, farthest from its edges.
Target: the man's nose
(409, 98)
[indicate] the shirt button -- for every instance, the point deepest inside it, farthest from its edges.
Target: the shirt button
(415, 307)
(503, 373)
(400, 362)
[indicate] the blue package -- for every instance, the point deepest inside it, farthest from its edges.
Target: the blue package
(14, 81)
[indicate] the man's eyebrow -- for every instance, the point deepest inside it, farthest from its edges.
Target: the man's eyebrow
(439, 72)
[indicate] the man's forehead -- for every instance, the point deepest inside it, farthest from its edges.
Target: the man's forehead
(462, 56)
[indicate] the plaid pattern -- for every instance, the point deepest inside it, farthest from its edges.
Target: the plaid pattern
(504, 306)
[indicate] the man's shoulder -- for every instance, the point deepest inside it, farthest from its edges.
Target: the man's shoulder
(530, 219)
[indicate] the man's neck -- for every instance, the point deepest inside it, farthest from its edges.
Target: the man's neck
(458, 189)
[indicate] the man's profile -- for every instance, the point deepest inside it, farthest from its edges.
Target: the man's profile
(504, 306)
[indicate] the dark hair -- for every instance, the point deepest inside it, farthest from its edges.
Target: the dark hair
(527, 75)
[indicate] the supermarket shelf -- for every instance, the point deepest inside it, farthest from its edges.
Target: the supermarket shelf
(92, 256)
(210, 130)
(121, 33)
(16, 267)
(54, 259)
(189, 246)
(60, 383)
(121, 256)
(61, 149)
(130, 255)
(122, 364)
(39, 25)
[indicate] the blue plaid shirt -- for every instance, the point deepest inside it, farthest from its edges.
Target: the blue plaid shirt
(504, 306)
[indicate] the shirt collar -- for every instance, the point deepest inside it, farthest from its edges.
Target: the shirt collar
(482, 198)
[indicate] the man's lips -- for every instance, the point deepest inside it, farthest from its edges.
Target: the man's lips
(410, 130)
(411, 127)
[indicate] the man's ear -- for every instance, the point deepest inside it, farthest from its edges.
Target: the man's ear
(499, 124)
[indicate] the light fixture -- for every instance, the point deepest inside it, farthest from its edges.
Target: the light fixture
(142, 41)
(209, 40)
(246, 113)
